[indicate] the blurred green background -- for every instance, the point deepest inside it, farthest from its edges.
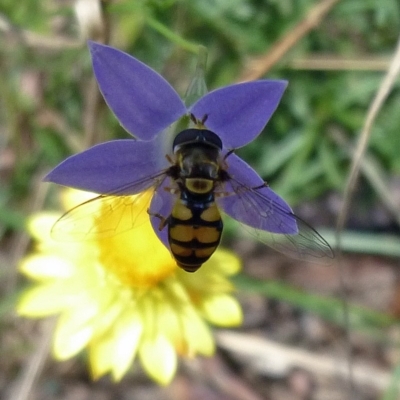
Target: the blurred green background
(50, 106)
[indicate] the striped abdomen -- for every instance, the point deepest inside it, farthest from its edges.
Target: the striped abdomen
(194, 231)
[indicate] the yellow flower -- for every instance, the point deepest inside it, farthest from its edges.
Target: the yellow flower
(123, 297)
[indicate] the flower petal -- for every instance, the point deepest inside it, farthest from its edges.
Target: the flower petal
(73, 331)
(100, 355)
(238, 113)
(48, 299)
(142, 100)
(197, 334)
(69, 343)
(47, 267)
(208, 279)
(39, 225)
(259, 208)
(34, 302)
(158, 358)
(222, 310)
(119, 167)
(224, 262)
(115, 350)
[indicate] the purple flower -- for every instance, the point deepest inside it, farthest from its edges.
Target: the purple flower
(146, 105)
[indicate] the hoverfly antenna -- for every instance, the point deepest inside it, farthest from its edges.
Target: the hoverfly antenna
(197, 136)
(193, 118)
(199, 122)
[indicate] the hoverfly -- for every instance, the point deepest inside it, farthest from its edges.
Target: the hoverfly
(203, 179)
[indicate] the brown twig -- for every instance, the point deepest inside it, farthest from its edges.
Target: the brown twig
(331, 62)
(100, 32)
(373, 173)
(33, 367)
(260, 66)
(91, 114)
(372, 113)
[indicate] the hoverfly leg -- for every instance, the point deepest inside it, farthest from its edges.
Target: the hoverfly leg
(170, 159)
(224, 165)
(163, 220)
(229, 153)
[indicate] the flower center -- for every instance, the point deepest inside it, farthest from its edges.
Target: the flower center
(136, 256)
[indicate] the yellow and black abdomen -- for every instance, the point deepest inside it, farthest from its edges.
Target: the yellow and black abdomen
(194, 231)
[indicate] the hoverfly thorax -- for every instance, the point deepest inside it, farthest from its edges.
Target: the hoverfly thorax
(197, 152)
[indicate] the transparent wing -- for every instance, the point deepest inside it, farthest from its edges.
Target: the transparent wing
(268, 218)
(305, 244)
(107, 215)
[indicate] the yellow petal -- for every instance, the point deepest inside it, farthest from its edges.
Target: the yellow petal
(115, 350)
(126, 343)
(204, 282)
(70, 198)
(197, 335)
(100, 355)
(70, 339)
(40, 225)
(158, 358)
(47, 299)
(101, 347)
(51, 297)
(45, 267)
(111, 311)
(75, 328)
(174, 321)
(166, 319)
(222, 310)
(225, 262)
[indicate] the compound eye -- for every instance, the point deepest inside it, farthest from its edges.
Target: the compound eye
(199, 185)
(198, 136)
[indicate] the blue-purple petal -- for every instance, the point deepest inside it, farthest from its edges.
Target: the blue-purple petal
(142, 100)
(259, 207)
(118, 167)
(238, 113)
